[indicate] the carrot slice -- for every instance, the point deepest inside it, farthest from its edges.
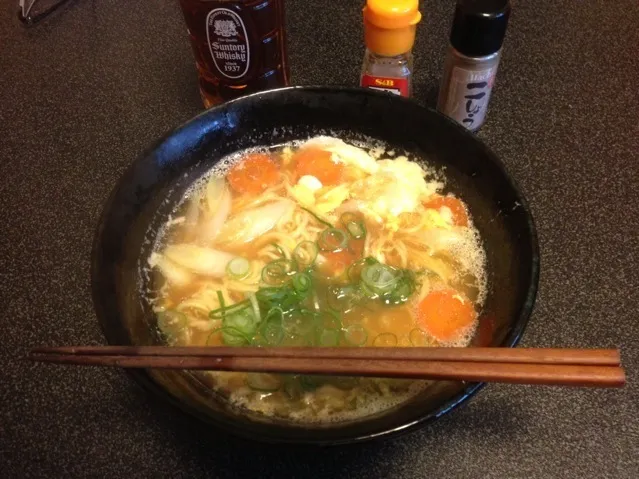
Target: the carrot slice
(253, 174)
(445, 314)
(318, 163)
(456, 207)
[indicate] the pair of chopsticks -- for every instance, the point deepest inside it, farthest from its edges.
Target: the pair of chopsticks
(560, 367)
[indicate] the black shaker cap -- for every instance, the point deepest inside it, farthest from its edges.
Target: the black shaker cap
(479, 26)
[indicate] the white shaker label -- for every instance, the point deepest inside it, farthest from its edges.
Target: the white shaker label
(468, 95)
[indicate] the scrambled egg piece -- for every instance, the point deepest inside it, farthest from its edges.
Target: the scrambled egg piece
(310, 182)
(345, 153)
(310, 192)
(332, 199)
(435, 219)
(385, 188)
(304, 190)
(398, 187)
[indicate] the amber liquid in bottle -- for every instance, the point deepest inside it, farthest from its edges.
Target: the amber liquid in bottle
(239, 46)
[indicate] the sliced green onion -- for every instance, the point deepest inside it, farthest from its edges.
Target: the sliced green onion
(419, 338)
(271, 328)
(238, 268)
(380, 278)
(233, 337)
(367, 292)
(291, 301)
(274, 314)
(279, 249)
(263, 382)
(350, 217)
(256, 307)
(277, 272)
(356, 230)
(401, 293)
(272, 333)
(222, 311)
(302, 283)
(230, 336)
(355, 335)
(305, 253)
(342, 298)
(355, 270)
(388, 340)
(323, 221)
(171, 322)
(220, 300)
(284, 297)
(270, 295)
(333, 239)
(354, 224)
(298, 324)
(243, 320)
(328, 337)
(259, 342)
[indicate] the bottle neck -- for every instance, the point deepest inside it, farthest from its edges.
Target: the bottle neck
(401, 57)
(396, 66)
(459, 56)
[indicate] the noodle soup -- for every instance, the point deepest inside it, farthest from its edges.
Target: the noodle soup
(318, 244)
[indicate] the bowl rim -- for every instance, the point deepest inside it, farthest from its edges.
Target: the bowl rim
(511, 340)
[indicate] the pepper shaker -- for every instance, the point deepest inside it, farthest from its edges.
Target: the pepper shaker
(478, 31)
(389, 34)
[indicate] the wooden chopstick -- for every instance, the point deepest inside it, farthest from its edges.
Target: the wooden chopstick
(529, 367)
(594, 357)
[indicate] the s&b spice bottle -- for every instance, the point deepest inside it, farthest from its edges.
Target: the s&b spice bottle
(239, 46)
(471, 64)
(389, 34)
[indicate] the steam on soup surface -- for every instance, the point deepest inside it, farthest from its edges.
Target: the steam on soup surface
(318, 244)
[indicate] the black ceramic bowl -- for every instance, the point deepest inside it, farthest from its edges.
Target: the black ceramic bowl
(155, 181)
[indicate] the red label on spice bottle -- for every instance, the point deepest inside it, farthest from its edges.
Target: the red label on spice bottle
(396, 86)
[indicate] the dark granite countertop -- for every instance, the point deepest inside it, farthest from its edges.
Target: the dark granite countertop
(82, 94)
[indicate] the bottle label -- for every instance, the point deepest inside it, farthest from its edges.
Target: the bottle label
(396, 86)
(228, 43)
(468, 95)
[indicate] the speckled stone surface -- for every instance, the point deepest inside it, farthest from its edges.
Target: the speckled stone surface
(82, 94)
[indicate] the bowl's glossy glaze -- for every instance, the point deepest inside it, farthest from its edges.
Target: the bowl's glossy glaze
(155, 181)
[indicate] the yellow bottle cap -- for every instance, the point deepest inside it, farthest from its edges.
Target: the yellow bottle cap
(389, 25)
